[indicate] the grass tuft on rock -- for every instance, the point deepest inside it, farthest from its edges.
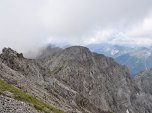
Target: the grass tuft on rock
(22, 96)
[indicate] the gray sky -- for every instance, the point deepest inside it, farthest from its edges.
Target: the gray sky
(29, 24)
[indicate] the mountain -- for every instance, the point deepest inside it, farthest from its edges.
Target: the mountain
(137, 59)
(71, 80)
(109, 50)
(143, 80)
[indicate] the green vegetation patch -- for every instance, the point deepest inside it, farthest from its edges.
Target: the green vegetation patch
(22, 96)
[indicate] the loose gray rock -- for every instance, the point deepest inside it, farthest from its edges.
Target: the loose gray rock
(9, 105)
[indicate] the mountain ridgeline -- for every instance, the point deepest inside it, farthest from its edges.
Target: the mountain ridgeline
(71, 80)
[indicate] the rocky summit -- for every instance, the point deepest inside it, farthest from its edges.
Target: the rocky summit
(71, 80)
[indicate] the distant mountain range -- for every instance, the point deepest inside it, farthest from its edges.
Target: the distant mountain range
(110, 50)
(136, 59)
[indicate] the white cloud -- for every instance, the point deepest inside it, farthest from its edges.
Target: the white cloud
(26, 24)
(99, 36)
(142, 29)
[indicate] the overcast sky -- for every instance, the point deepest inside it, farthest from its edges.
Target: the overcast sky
(28, 24)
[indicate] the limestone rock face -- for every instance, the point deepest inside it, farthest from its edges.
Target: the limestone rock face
(76, 80)
(143, 80)
(99, 79)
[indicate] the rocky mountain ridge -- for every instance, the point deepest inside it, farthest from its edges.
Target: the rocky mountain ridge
(75, 80)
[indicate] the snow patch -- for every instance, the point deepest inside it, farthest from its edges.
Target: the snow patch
(127, 111)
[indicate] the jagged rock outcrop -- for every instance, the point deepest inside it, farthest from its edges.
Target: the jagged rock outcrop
(95, 77)
(143, 80)
(75, 80)
(144, 97)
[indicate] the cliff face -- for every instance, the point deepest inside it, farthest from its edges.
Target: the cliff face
(143, 80)
(97, 78)
(75, 80)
